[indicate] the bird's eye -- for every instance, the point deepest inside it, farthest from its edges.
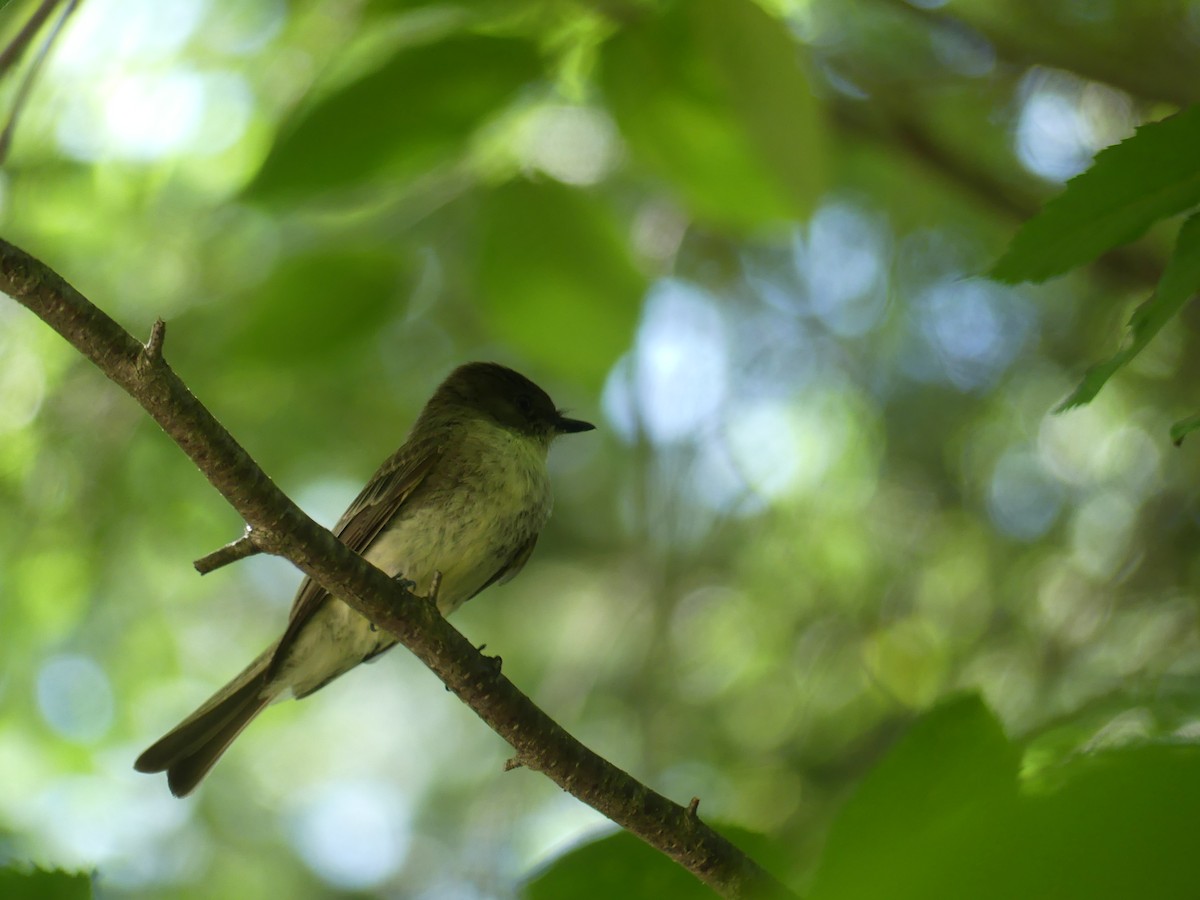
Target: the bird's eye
(525, 405)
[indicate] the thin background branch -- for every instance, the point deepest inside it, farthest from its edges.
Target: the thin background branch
(16, 49)
(277, 525)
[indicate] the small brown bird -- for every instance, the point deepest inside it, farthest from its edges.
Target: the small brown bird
(465, 496)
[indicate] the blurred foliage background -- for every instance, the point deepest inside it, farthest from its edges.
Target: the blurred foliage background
(827, 493)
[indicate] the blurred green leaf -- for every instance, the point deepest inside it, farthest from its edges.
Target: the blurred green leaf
(312, 306)
(908, 830)
(712, 98)
(1183, 428)
(1130, 186)
(556, 279)
(619, 865)
(414, 112)
(1180, 280)
(38, 884)
(1123, 826)
(942, 817)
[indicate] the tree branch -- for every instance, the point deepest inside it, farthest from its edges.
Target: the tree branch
(16, 48)
(240, 549)
(1030, 32)
(280, 527)
(886, 124)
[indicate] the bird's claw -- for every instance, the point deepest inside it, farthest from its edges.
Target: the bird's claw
(406, 584)
(496, 662)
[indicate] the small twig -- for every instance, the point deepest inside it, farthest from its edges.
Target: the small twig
(240, 549)
(152, 351)
(693, 807)
(154, 346)
(513, 763)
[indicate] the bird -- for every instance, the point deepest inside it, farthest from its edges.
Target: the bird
(457, 508)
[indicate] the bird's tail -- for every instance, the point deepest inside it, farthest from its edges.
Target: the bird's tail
(192, 747)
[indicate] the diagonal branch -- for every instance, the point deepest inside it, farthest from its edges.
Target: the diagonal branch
(1031, 33)
(16, 48)
(13, 52)
(890, 126)
(279, 526)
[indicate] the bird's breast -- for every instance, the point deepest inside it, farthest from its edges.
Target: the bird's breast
(487, 499)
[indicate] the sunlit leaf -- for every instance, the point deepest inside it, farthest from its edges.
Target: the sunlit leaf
(1132, 185)
(712, 98)
(555, 278)
(619, 865)
(414, 112)
(1180, 280)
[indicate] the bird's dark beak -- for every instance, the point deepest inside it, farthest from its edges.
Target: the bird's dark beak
(563, 425)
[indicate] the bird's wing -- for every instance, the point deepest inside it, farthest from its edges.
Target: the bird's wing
(360, 524)
(515, 564)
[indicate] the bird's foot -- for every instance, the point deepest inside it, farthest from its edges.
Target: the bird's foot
(406, 584)
(496, 662)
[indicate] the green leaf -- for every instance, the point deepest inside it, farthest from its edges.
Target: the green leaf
(1180, 280)
(1122, 826)
(1130, 186)
(1183, 428)
(619, 865)
(555, 278)
(312, 306)
(712, 98)
(416, 111)
(39, 884)
(942, 816)
(907, 830)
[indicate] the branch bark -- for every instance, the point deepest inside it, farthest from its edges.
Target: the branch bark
(279, 526)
